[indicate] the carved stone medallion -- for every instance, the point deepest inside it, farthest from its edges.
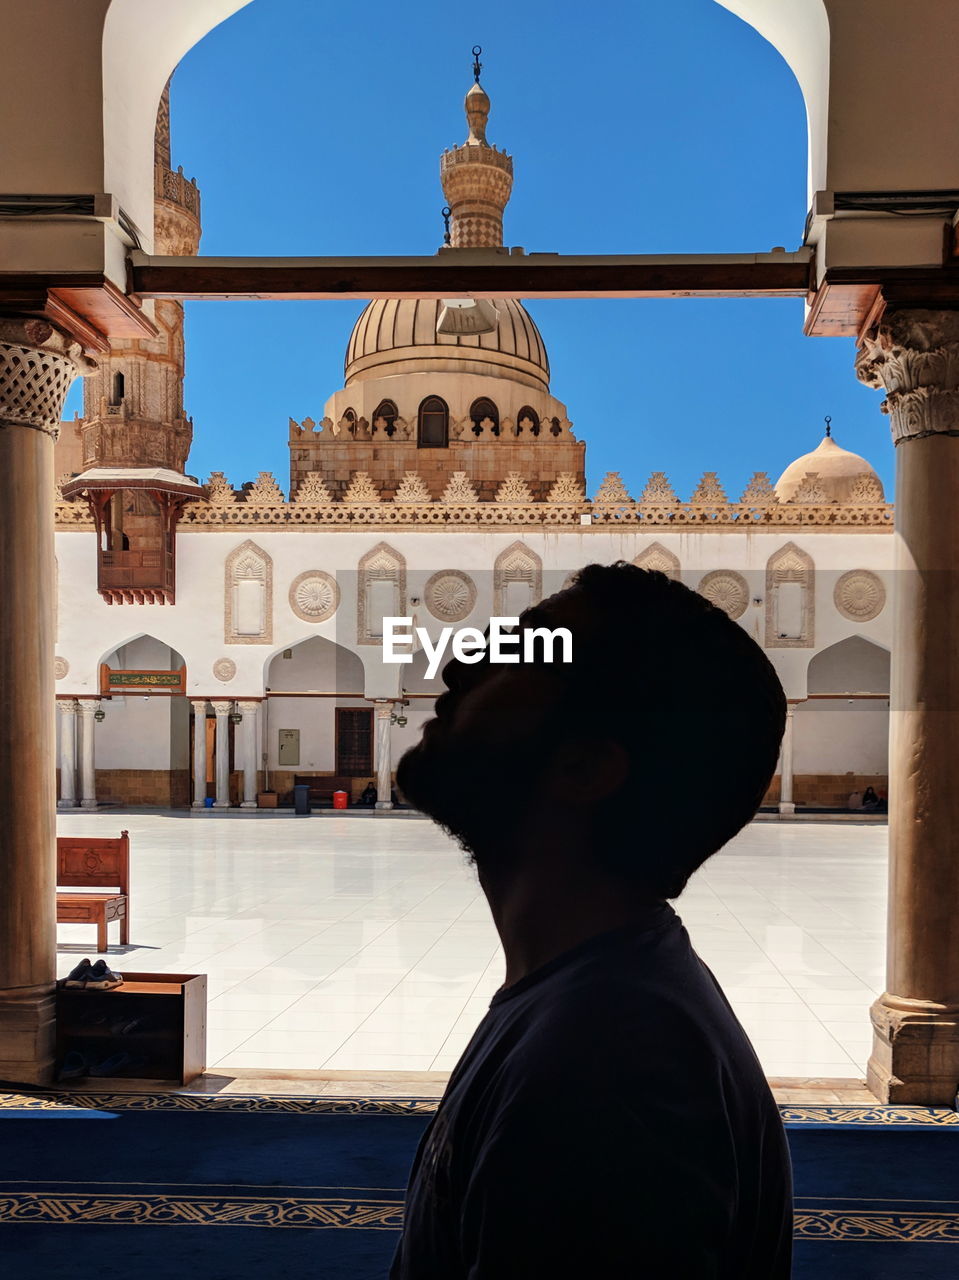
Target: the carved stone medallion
(860, 595)
(727, 590)
(224, 669)
(450, 595)
(60, 668)
(314, 596)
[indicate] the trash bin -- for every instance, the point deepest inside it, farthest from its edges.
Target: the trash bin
(301, 798)
(208, 802)
(340, 799)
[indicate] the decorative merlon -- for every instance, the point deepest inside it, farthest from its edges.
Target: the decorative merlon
(514, 490)
(362, 490)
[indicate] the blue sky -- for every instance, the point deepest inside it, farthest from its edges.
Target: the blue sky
(635, 127)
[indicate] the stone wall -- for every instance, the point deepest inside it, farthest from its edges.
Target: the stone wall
(487, 464)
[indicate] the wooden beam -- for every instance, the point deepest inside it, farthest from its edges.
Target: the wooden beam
(472, 273)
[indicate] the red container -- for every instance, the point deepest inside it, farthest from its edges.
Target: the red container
(340, 799)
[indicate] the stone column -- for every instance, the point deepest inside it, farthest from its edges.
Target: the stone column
(384, 789)
(786, 805)
(914, 355)
(88, 763)
(37, 366)
(222, 710)
(251, 750)
(199, 753)
(67, 707)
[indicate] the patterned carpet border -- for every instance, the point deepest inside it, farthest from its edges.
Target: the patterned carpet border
(49, 1100)
(182, 1208)
(891, 1223)
(224, 1102)
(872, 1116)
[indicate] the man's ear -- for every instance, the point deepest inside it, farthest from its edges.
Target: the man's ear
(590, 771)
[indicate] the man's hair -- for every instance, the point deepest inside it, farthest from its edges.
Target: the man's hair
(696, 705)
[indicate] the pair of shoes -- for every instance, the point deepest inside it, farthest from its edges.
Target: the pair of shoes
(98, 977)
(115, 1064)
(76, 1064)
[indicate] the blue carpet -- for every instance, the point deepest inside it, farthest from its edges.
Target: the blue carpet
(91, 1185)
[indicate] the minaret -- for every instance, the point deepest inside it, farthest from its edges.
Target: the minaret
(135, 437)
(477, 179)
(133, 406)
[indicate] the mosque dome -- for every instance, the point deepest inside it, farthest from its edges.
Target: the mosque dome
(398, 336)
(837, 471)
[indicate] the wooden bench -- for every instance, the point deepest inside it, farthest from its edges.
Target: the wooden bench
(322, 787)
(94, 863)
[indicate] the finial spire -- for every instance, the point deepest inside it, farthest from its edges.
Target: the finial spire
(477, 178)
(828, 427)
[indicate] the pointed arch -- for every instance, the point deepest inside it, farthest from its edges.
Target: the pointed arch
(248, 596)
(433, 424)
(381, 591)
(659, 559)
(527, 421)
(387, 413)
(790, 599)
(517, 580)
(852, 665)
(482, 409)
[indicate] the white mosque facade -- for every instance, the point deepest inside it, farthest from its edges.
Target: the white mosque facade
(217, 645)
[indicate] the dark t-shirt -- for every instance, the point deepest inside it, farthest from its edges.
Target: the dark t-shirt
(608, 1119)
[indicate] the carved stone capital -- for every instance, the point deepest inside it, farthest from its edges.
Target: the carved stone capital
(37, 367)
(914, 357)
(220, 708)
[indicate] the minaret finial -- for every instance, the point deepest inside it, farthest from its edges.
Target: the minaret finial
(828, 427)
(477, 178)
(447, 213)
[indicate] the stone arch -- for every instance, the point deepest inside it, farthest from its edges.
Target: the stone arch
(248, 596)
(517, 580)
(658, 558)
(852, 665)
(381, 591)
(309, 735)
(790, 599)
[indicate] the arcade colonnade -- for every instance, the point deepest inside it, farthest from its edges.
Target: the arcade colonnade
(103, 68)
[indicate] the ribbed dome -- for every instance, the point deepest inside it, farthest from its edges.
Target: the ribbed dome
(392, 334)
(837, 471)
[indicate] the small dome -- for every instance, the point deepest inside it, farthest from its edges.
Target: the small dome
(836, 469)
(395, 336)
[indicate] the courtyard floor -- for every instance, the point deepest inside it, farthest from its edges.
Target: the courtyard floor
(349, 944)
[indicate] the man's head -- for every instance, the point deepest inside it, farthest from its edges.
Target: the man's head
(658, 740)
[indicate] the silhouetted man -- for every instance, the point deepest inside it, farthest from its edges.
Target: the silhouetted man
(609, 1117)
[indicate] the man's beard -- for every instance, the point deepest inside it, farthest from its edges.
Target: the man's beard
(477, 793)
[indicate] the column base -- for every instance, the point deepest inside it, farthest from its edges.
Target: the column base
(384, 804)
(222, 804)
(786, 808)
(197, 804)
(88, 804)
(915, 1052)
(27, 1035)
(249, 804)
(66, 804)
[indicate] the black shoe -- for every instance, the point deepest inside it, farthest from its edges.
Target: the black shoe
(102, 978)
(78, 977)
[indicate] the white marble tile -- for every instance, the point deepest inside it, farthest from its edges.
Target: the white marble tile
(368, 944)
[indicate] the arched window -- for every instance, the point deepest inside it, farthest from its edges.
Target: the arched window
(349, 417)
(386, 414)
(528, 421)
(118, 388)
(433, 426)
(482, 409)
